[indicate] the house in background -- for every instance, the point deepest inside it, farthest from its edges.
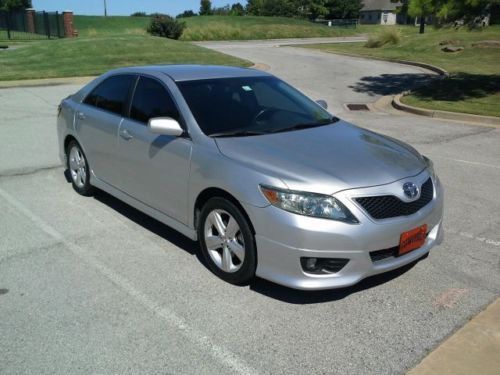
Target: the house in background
(380, 12)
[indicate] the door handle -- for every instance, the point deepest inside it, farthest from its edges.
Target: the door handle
(125, 134)
(81, 115)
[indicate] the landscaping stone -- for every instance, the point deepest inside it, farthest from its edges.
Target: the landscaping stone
(452, 49)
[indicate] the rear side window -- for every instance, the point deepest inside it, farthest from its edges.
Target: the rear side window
(111, 95)
(152, 100)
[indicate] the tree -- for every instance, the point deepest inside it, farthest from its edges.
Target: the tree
(421, 9)
(343, 9)
(15, 4)
(186, 14)
(237, 10)
(205, 7)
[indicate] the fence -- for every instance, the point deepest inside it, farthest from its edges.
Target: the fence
(30, 24)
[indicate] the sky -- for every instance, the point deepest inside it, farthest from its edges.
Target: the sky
(125, 7)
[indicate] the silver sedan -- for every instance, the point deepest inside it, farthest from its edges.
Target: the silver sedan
(268, 181)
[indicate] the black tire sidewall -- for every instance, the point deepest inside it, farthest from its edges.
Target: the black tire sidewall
(247, 271)
(87, 189)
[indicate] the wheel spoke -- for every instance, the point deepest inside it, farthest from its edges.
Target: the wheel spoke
(217, 222)
(80, 177)
(232, 228)
(226, 259)
(73, 164)
(84, 175)
(237, 249)
(213, 242)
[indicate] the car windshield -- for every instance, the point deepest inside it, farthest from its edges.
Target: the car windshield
(250, 106)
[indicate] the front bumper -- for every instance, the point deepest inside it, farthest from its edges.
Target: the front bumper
(282, 238)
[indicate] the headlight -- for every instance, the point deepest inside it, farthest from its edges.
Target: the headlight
(308, 204)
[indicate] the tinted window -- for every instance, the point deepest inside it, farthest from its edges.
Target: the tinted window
(111, 95)
(251, 104)
(152, 100)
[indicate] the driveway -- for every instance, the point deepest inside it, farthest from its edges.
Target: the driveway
(338, 79)
(92, 285)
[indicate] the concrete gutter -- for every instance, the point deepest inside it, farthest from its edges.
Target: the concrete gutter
(457, 116)
(473, 349)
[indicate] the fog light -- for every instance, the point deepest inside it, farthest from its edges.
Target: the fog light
(311, 264)
(319, 266)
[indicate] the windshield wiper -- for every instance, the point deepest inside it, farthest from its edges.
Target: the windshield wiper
(236, 133)
(307, 125)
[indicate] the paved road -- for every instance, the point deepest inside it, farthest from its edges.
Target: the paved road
(91, 285)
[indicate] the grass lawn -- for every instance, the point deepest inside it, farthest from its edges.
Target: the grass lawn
(214, 27)
(106, 43)
(250, 27)
(85, 56)
(474, 85)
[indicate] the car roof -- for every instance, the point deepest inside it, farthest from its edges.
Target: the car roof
(194, 72)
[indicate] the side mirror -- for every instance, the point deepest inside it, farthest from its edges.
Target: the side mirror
(165, 126)
(322, 103)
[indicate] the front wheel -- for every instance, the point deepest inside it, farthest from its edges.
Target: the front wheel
(78, 168)
(227, 241)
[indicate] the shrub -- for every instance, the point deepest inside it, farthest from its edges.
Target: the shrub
(139, 14)
(389, 35)
(166, 26)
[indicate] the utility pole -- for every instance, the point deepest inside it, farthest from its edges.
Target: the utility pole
(105, 9)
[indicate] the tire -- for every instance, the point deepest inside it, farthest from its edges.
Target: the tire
(232, 255)
(79, 170)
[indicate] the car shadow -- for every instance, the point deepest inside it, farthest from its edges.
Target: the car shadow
(261, 286)
(307, 297)
(148, 223)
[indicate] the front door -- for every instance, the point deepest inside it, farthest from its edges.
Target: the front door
(155, 167)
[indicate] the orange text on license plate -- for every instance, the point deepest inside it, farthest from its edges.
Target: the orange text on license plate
(412, 240)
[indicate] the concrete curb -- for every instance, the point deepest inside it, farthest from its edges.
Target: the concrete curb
(46, 82)
(446, 115)
(433, 68)
(473, 349)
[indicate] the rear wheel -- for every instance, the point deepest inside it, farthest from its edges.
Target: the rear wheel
(227, 241)
(78, 168)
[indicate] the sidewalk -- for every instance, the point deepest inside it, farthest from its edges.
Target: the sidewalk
(473, 349)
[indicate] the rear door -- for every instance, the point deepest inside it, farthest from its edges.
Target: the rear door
(157, 165)
(98, 119)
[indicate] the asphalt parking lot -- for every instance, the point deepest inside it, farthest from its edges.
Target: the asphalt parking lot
(90, 285)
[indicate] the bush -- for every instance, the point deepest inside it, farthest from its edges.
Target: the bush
(388, 35)
(166, 26)
(139, 14)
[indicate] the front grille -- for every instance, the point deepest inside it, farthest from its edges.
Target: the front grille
(388, 206)
(379, 255)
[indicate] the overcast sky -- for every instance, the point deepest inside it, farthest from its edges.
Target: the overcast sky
(125, 7)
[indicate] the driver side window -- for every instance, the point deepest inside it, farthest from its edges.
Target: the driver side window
(152, 100)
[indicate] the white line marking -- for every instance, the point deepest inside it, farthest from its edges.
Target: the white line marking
(469, 162)
(472, 237)
(223, 355)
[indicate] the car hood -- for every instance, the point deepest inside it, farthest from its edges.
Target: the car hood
(326, 159)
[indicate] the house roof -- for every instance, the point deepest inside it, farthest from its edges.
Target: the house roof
(379, 5)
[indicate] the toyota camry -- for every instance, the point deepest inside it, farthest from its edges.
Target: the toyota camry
(267, 180)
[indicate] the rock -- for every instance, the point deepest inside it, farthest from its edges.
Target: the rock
(452, 49)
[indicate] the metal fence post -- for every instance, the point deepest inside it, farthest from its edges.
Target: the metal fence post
(58, 26)
(7, 23)
(46, 22)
